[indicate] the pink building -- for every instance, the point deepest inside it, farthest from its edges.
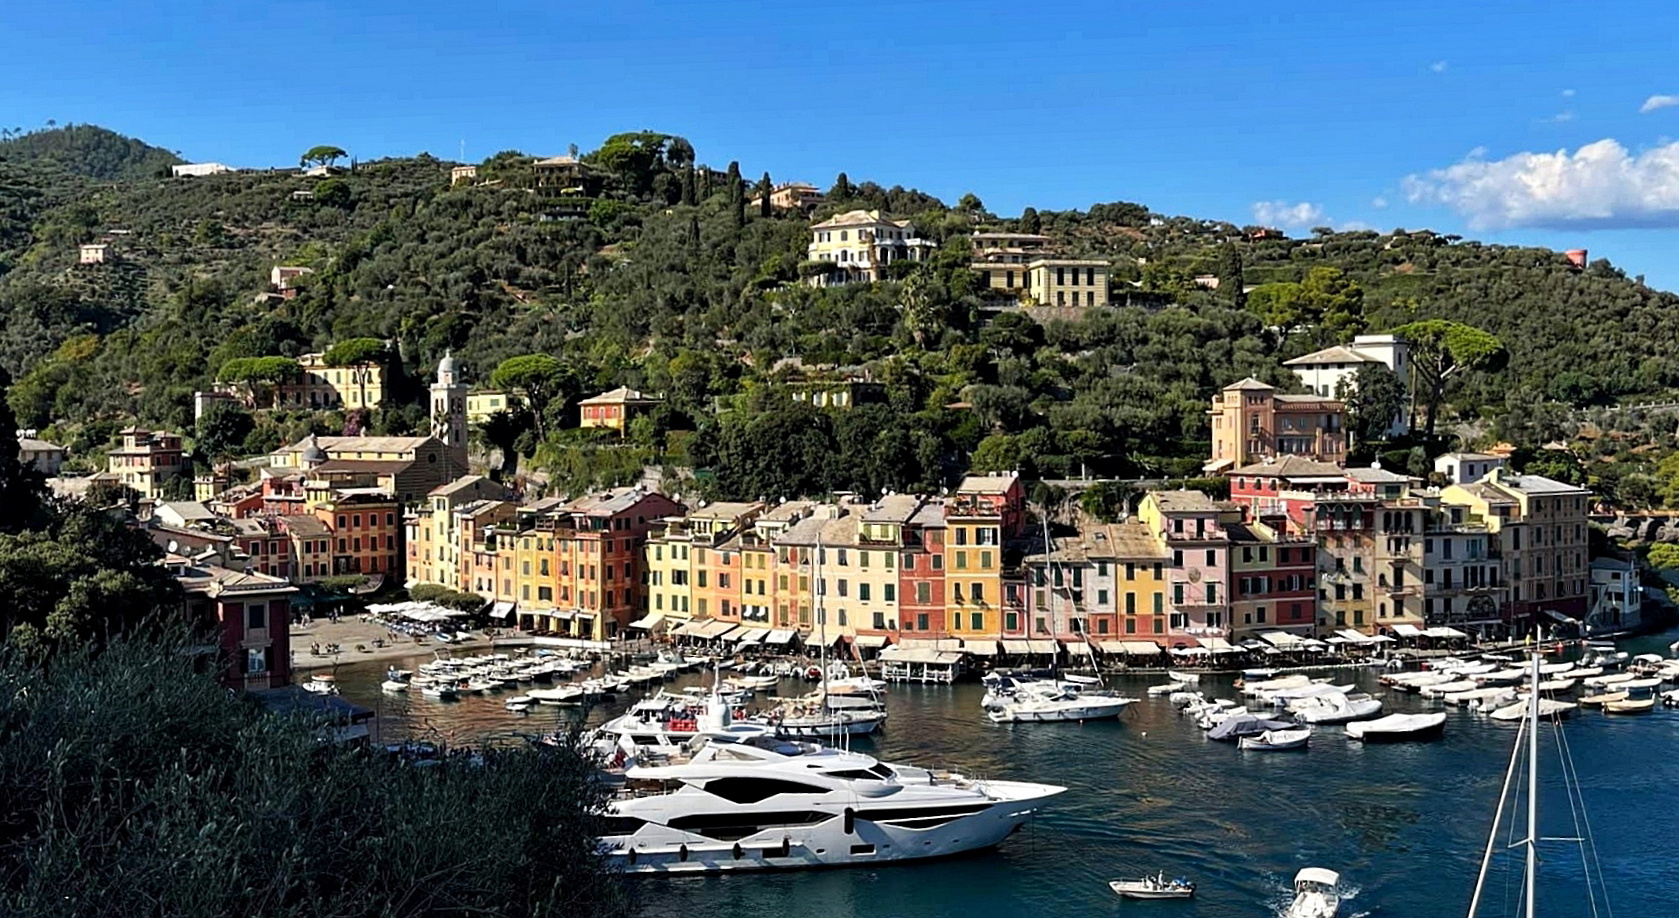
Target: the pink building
(1198, 574)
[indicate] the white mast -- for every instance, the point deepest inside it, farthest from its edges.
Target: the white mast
(1532, 782)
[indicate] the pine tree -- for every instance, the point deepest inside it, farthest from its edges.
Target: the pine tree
(843, 189)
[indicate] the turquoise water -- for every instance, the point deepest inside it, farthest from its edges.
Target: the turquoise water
(1403, 824)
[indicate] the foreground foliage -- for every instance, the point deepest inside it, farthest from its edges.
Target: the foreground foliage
(130, 785)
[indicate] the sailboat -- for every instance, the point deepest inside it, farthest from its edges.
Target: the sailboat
(1529, 730)
(826, 714)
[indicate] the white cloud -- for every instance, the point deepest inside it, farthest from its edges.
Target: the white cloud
(1601, 184)
(1568, 94)
(1378, 202)
(1561, 117)
(1655, 102)
(1285, 215)
(1437, 67)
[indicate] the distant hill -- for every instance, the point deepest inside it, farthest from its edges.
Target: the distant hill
(91, 151)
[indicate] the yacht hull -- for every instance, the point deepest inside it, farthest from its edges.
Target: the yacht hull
(657, 849)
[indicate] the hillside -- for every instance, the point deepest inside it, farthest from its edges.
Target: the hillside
(88, 151)
(654, 274)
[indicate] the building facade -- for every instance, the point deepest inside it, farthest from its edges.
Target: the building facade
(856, 247)
(147, 461)
(1251, 422)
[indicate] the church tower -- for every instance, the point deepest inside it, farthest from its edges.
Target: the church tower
(448, 409)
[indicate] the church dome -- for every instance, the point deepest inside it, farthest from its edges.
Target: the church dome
(313, 454)
(446, 367)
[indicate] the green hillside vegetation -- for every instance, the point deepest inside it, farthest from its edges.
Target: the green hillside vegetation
(650, 271)
(88, 151)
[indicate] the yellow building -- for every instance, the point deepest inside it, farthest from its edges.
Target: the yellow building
(147, 460)
(480, 405)
(683, 563)
(859, 244)
(435, 552)
(984, 510)
(1067, 282)
(1539, 528)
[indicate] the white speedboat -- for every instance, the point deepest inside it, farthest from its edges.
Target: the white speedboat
(1335, 709)
(1176, 676)
(1608, 679)
(519, 704)
(769, 804)
(1277, 740)
(1398, 728)
(1155, 887)
(1155, 691)
(1043, 706)
(1315, 893)
(393, 687)
(1603, 698)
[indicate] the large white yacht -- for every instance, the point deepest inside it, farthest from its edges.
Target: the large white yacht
(771, 804)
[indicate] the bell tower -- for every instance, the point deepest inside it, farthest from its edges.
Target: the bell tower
(448, 409)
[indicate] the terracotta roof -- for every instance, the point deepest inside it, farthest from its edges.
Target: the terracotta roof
(1288, 467)
(987, 484)
(1248, 383)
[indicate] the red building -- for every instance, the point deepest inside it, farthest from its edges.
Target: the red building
(921, 600)
(251, 615)
(600, 537)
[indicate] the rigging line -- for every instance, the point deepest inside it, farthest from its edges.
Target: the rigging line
(1591, 840)
(1570, 790)
(1497, 815)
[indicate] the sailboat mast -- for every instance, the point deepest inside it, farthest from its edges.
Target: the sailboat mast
(1497, 818)
(1532, 782)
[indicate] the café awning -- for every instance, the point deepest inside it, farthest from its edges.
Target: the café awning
(501, 609)
(1407, 630)
(1044, 646)
(870, 640)
(747, 636)
(980, 648)
(1215, 644)
(1078, 648)
(779, 637)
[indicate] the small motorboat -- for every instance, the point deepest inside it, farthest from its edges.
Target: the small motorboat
(1398, 728)
(1630, 706)
(321, 684)
(1155, 691)
(393, 687)
(1155, 887)
(519, 704)
(1176, 676)
(1277, 740)
(1603, 698)
(1315, 894)
(1081, 679)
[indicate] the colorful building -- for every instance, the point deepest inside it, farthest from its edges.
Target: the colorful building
(1191, 525)
(147, 461)
(1252, 421)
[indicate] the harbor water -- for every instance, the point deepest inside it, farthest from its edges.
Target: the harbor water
(1404, 824)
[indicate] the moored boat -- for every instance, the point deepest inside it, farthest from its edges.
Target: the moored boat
(1630, 706)
(1277, 740)
(1398, 728)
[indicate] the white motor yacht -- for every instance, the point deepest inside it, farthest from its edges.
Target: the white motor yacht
(769, 804)
(1050, 703)
(815, 717)
(1398, 728)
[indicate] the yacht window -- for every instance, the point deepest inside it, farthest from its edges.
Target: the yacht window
(881, 770)
(752, 790)
(621, 825)
(852, 775)
(735, 826)
(857, 850)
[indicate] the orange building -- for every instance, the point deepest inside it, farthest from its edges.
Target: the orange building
(1252, 422)
(367, 532)
(614, 409)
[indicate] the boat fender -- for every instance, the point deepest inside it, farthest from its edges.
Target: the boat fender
(738, 852)
(632, 857)
(850, 821)
(682, 853)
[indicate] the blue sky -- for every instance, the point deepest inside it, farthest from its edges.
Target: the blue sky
(1541, 123)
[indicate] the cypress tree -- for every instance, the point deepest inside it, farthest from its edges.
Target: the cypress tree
(764, 189)
(737, 196)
